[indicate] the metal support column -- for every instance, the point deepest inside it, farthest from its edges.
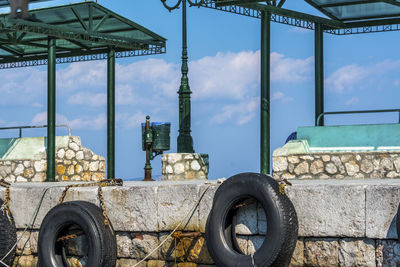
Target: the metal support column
(111, 114)
(265, 92)
(51, 110)
(319, 73)
(185, 140)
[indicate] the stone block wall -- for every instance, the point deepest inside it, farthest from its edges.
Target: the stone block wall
(357, 165)
(73, 163)
(341, 223)
(183, 166)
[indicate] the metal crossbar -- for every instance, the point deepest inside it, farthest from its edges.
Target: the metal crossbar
(356, 112)
(34, 127)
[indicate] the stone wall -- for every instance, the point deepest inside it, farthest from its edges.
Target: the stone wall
(341, 223)
(357, 165)
(183, 166)
(73, 163)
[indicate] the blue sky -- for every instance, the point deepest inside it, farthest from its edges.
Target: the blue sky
(361, 72)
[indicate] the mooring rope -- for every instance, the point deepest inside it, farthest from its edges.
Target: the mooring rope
(36, 212)
(38, 206)
(176, 228)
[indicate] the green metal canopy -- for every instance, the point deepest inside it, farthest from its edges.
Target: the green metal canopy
(348, 10)
(83, 31)
(70, 33)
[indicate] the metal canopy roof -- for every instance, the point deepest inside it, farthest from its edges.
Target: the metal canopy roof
(369, 22)
(348, 10)
(84, 31)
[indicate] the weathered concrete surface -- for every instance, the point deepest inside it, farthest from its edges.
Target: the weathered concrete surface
(325, 208)
(342, 223)
(381, 208)
(332, 210)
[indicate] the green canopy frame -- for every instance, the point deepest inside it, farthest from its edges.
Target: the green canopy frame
(344, 17)
(71, 33)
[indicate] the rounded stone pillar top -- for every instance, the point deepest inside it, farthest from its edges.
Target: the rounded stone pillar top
(184, 166)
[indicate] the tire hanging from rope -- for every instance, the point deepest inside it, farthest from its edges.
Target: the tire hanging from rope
(282, 224)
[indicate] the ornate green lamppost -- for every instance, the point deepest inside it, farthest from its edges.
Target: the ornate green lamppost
(185, 140)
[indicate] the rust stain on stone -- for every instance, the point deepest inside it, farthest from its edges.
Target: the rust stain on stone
(60, 169)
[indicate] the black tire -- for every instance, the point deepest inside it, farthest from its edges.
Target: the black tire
(281, 237)
(101, 242)
(8, 236)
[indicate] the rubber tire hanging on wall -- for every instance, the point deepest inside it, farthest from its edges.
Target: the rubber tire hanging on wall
(102, 247)
(8, 236)
(282, 224)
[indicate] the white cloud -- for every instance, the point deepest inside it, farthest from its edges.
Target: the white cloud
(151, 85)
(346, 78)
(286, 69)
(97, 123)
(154, 75)
(352, 101)
(281, 96)
(89, 99)
(236, 75)
(131, 121)
(37, 105)
(241, 113)
(354, 76)
(85, 122)
(226, 75)
(124, 95)
(82, 76)
(41, 119)
(20, 86)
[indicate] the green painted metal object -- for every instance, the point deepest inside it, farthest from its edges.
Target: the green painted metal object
(321, 116)
(299, 19)
(161, 136)
(155, 140)
(345, 10)
(185, 140)
(319, 73)
(84, 31)
(265, 149)
(51, 110)
(111, 114)
(369, 137)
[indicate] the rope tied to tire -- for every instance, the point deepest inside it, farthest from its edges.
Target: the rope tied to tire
(280, 231)
(29, 227)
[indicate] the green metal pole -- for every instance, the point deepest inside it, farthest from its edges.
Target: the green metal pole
(51, 110)
(111, 114)
(319, 73)
(185, 140)
(265, 92)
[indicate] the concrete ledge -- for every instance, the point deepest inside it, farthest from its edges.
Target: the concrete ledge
(325, 208)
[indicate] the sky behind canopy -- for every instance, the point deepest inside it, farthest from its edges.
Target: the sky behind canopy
(361, 72)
